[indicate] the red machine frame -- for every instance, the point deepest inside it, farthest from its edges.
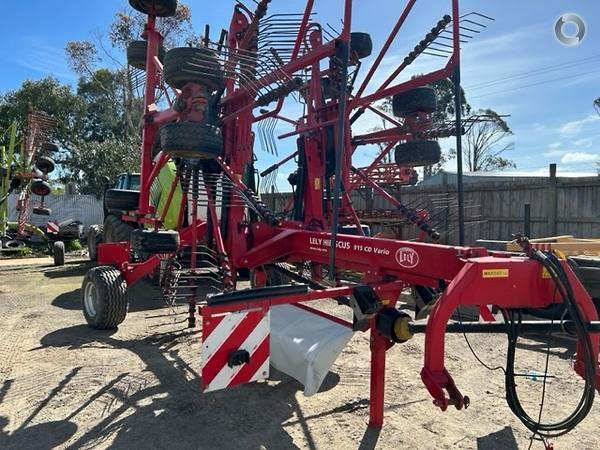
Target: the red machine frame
(467, 276)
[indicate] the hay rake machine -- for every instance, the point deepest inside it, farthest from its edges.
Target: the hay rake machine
(216, 94)
(27, 172)
(36, 152)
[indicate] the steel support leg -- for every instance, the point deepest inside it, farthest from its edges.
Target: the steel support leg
(378, 349)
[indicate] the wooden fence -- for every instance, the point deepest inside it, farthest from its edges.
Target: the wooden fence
(493, 210)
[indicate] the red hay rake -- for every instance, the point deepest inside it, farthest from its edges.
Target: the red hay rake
(216, 94)
(35, 165)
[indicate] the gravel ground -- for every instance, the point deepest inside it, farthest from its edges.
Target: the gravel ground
(64, 385)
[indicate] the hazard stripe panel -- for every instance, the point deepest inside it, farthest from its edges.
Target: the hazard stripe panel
(222, 336)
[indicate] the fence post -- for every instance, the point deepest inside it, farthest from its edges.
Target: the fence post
(551, 201)
(273, 199)
(527, 219)
(369, 201)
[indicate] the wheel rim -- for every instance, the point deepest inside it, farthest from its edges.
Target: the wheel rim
(90, 298)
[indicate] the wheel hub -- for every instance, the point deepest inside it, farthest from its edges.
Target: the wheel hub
(90, 299)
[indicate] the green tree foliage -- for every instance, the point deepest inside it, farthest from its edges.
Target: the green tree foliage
(445, 116)
(92, 132)
(109, 136)
(111, 109)
(484, 143)
(48, 95)
(177, 30)
(91, 161)
(444, 90)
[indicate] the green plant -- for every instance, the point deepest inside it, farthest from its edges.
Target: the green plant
(74, 245)
(24, 251)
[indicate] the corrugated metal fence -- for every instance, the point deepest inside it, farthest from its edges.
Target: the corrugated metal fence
(493, 210)
(85, 208)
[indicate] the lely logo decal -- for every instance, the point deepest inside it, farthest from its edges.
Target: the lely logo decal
(407, 257)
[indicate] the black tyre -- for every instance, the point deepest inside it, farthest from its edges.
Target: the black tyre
(193, 65)
(45, 164)
(121, 199)
(329, 91)
(156, 146)
(15, 183)
(418, 153)
(136, 54)
(14, 244)
(152, 242)
(587, 270)
(424, 298)
(49, 147)
(583, 261)
(103, 297)
(590, 278)
(116, 230)
(94, 238)
(40, 211)
(293, 178)
(274, 278)
(361, 44)
(421, 99)
(40, 187)
(58, 253)
(414, 178)
(244, 274)
(191, 140)
(158, 8)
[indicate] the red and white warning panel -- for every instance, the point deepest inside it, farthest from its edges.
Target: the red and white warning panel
(235, 349)
(52, 228)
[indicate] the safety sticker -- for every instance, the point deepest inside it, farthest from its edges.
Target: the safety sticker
(494, 273)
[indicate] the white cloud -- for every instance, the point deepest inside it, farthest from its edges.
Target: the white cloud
(585, 142)
(577, 126)
(579, 157)
(538, 127)
(44, 58)
(553, 153)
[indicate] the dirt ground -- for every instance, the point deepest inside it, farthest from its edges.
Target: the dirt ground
(64, 385)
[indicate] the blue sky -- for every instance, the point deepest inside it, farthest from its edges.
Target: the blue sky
(516, 66)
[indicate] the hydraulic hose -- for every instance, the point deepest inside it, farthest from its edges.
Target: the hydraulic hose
(564, 288)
